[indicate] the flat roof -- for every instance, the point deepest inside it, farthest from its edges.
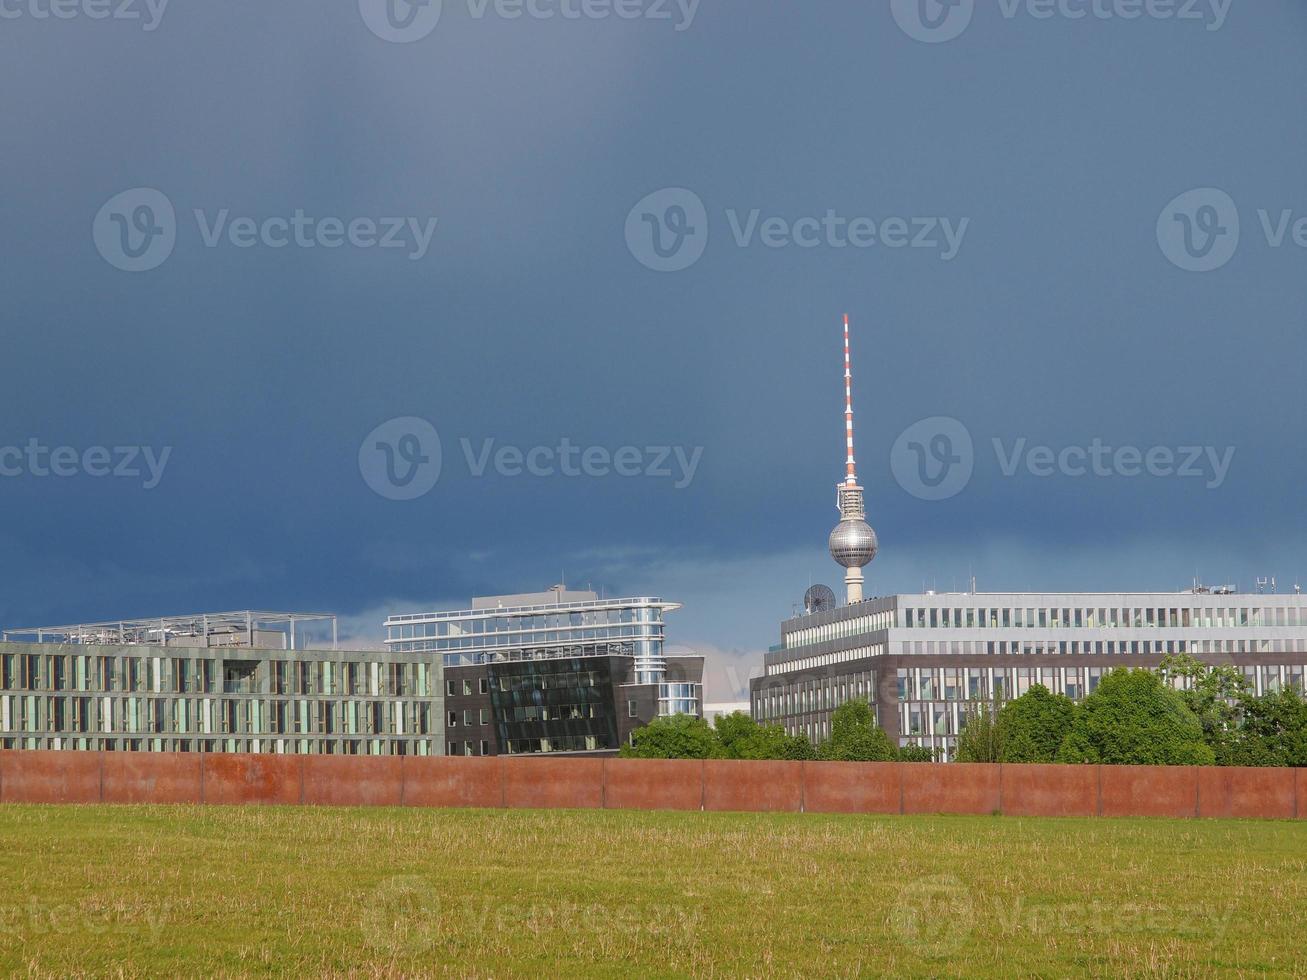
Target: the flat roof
(491, 611)
(194, 624)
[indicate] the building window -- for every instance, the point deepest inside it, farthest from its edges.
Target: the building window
(453, 719)
(451, 688)
(484, 685)
(630, 709)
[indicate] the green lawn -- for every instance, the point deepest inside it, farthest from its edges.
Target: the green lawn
(174, 890)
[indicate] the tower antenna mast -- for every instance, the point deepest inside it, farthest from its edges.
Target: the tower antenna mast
(850, 464)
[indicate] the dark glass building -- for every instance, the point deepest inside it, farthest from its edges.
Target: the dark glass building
(557, 671)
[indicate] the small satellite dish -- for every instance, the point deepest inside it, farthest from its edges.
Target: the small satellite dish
(819, 598)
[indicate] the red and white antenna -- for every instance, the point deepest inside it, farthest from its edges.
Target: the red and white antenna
(850, 466)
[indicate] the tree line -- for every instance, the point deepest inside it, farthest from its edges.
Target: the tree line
(1133, 717)
(855, 737)
(1139, 717)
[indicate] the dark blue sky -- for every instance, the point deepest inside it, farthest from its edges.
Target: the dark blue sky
(1062, 318)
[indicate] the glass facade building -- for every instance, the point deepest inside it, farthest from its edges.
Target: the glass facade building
(143, 697)
(921, 660)
(557, 671)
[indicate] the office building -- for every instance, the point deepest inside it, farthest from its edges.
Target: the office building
(923, 661)
(218, 682)
(558, 671)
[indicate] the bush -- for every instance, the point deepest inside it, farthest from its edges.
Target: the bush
(981, 738)
(1134, 718)
(734, 736)
(1274, 730)
(677, 737)
(1034, 726)
(740, 737)
(855, 736)
(1216, 696)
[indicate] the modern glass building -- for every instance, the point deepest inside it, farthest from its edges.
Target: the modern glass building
(227, 682)
(556, 671)
(923, 659)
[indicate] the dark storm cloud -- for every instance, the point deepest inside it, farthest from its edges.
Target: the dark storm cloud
(828, 149)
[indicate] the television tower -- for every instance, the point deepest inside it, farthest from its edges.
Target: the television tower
(853, 543)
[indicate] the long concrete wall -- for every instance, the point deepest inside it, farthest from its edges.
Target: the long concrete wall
(638, 784)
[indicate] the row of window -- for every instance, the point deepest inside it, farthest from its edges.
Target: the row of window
(469, 747)
(779, 700)
(310, 746)
(469, 717)
(1031, 648)
(57, 715)
(839, 629)
(1026, 617)
(509, 683)
(968, 648)
(181, 675)
(518, 625)
(1105, 617)
(518, 655)
(826, 659)
(555, 743)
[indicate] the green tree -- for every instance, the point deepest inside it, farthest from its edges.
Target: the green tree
(771, 742)
(740, 737)
(855, 736)
(1274, 731)
(734, 732)
(1216, 695)
(1034, 725)
(981, 738)
(1135, 718)
(676, 737)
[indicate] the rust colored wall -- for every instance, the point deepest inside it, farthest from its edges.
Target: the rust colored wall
(49, 777)
(852, 787)
(553, 783)
(239, 779)
(1149, 791)
(452, 782)
(1049, 791)
(954, 788)
(652, 784)
(1246, 793)
(150, 777)
(353, 780)
(754, 787)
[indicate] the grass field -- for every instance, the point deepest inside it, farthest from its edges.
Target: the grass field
(172, 890)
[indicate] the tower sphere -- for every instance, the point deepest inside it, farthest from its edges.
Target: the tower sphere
(853, 543)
